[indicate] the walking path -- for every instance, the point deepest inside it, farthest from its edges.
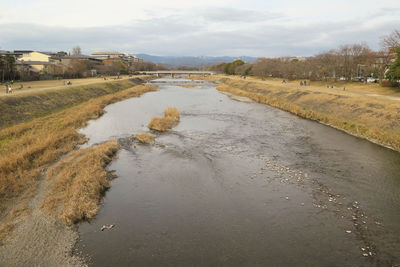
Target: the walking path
(359, 89)
(35, 86)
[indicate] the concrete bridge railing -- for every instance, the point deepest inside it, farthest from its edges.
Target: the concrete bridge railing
(177, 72)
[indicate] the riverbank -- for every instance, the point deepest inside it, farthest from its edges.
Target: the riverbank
(28, 150)
(16, 108)
(374, 118)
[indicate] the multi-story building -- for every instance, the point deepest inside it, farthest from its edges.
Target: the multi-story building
(110, 56)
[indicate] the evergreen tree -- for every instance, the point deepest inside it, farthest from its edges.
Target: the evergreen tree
(393, 74)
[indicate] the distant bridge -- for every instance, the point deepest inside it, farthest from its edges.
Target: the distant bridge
(172, 73)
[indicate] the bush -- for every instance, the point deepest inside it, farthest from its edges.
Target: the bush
(387, 83)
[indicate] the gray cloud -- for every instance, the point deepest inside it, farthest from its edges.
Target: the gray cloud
(199, 34)
(227, 14)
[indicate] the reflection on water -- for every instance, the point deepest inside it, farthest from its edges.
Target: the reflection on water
(241, 184)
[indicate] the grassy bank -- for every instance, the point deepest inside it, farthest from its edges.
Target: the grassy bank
(78, 182)
(28, 149)
(24, 107)
(373, 118)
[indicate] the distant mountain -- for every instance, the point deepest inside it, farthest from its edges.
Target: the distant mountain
(202, 61)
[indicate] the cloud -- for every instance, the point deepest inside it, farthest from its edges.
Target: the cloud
(208, 31)
(229, 14)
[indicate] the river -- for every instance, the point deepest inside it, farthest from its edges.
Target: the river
(240, 184)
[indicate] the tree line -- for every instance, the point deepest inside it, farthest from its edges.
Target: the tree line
(348, 62)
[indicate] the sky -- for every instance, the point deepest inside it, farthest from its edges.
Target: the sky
(196, 28)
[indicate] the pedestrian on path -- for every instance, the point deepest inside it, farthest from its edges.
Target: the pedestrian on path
(6, 88)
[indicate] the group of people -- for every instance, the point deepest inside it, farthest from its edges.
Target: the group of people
(303, 83)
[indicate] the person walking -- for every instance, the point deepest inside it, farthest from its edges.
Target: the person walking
(10, 89)
(6, 88)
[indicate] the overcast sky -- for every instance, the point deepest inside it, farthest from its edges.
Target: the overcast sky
(195, 28)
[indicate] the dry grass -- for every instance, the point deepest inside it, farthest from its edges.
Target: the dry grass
(170, 119)
(370, 88)
(161, 124)
(78, 182)
(5, 230)
(173, 113)
(188, 85)
(27, 149)
(373, 118)
(145, 138)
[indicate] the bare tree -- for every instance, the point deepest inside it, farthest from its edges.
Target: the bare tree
(76, 50)
(391, 40)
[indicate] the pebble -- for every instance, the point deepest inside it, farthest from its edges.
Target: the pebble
(348, 231)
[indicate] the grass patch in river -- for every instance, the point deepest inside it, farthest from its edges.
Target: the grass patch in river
(170, 119)
(145, 138)
(188, 86)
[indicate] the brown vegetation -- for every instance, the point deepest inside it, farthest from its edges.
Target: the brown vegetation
(377, 119)
(188, 85)
(78, 182)
(170, 119)
(27, 149)
(173, 113)
(145, 138)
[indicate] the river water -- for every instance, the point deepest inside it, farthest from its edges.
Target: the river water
(240, 184)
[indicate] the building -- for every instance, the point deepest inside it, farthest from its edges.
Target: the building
(104, 55)
(109, 57)
(35, 60)
(67, 60)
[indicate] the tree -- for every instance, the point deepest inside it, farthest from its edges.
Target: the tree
(391, 40)
(393, 73)
(230, 67)
(76, 51)
(7, 67)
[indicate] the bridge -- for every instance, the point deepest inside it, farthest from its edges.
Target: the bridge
(173, 73)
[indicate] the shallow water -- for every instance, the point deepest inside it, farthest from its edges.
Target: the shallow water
(241, 184)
